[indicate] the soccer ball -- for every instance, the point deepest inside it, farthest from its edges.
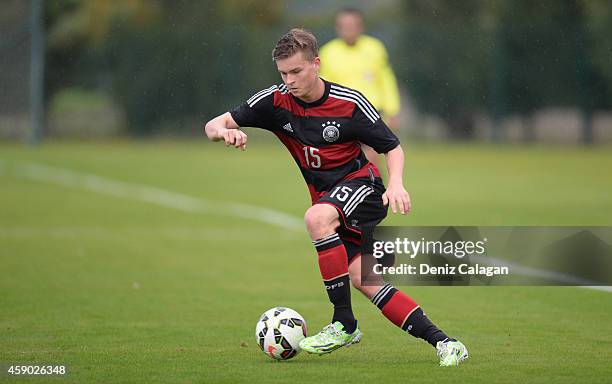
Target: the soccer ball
(279, 332)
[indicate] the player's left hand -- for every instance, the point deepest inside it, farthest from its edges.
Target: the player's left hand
(397, 197)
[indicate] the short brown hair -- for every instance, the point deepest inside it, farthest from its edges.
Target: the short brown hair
(294, 41)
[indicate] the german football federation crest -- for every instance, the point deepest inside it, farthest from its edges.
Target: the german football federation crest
(330, 131)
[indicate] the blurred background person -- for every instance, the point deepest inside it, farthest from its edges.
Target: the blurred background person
(361, 62)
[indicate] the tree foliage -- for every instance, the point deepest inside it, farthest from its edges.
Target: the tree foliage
(506, 57)
(165, 60)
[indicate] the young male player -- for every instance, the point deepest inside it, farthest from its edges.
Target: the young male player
(323, 124)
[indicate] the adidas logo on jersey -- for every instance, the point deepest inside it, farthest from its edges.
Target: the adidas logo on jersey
(287, 127)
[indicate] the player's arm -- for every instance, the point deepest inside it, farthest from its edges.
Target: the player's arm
(374, 132)
(396, 195)
(257, 111)
(223, 127)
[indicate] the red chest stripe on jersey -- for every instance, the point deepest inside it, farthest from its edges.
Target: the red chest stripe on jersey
(320, 158)
(295, 148)
(331, 108)
(335, 155)
(285, 101)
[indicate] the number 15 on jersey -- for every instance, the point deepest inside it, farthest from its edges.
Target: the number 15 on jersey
(311, 154)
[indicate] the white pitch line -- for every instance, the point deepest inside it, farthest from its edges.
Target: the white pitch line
(69, 232)
(603, 288)
(154, 195)
(541, 273)
(179, 201)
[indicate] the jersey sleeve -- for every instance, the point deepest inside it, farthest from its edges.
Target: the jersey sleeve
(372, 131)
(257, 111)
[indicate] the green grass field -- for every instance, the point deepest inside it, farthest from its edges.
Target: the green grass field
(121, 283)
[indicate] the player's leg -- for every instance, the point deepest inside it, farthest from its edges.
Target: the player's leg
(395, 305)
(405, 313)
(322, 220)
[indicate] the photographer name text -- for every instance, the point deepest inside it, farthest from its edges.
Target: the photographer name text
(445, 270)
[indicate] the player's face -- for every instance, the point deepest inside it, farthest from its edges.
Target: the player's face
(349, 27)
(299, 74)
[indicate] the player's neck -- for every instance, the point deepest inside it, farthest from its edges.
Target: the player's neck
(317, 92)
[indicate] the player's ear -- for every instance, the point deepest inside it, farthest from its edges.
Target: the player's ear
(317, 63)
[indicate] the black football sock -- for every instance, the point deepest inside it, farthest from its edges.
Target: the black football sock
(404, 312)
(420, 326)
(333, 264)
(339, 294)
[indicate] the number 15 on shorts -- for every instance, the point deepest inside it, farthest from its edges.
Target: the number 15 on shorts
(341, 193)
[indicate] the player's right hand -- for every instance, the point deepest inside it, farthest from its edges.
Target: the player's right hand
(234, 137)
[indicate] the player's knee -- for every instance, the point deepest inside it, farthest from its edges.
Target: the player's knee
(321, 220)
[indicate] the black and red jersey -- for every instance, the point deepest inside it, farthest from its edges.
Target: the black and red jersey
(324, 137)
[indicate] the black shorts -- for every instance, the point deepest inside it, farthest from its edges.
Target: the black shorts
(360, 207)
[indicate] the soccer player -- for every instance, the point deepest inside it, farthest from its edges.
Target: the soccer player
(323, 124)
(359, 61)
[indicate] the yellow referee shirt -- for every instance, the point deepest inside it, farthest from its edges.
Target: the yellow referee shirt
(364, 67)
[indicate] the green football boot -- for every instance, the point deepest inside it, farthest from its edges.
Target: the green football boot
(329, 339)
(451, 353)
